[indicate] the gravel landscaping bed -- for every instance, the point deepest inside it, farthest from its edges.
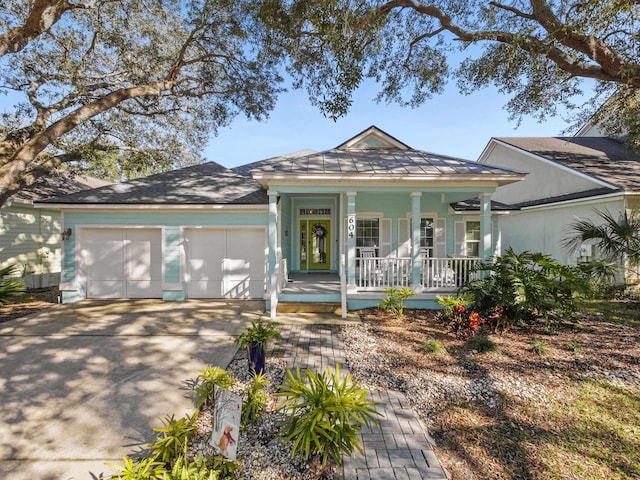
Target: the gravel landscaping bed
(495, 414)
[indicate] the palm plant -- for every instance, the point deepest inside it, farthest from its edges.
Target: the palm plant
(10, 286)
(617, 239)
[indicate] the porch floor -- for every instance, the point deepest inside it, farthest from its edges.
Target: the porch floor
(312, 284)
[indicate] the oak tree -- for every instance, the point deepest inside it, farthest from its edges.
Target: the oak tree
(541, 53)
(125, 88)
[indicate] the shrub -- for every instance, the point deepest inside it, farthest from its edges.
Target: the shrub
(482, 344)
(206, 382)
(255, 400)
(432, 346)
(573, 346)
(539, 347)
(394, 301)
(326, 414)
(172, 438)
(260, 332)
(525, 286)
(10, 287)
(464, 323)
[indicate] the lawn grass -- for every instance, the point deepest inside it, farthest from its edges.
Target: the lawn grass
(593, 433)
(622, 312)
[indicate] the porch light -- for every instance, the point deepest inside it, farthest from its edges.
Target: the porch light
(66, 234)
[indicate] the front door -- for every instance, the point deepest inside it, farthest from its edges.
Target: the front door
(315, 244)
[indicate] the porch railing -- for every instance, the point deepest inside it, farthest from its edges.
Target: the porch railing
(378, 273)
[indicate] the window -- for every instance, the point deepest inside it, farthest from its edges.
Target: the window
(367, 233)
(426, 235)
(472, 239)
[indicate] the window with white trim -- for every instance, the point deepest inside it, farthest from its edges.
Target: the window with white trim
(426, 236)
(367, 234)
(472, 239)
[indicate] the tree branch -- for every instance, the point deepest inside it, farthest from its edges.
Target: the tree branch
(22, 157)
(42, 16)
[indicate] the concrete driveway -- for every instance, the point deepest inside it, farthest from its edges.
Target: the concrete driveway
(84, 384)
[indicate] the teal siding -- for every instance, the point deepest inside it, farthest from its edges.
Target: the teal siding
(172, 222)
(172, 254)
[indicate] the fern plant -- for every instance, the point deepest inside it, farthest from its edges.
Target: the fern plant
(326, 414)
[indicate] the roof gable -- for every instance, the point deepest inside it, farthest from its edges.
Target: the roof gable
(372, 137)
(605, 159)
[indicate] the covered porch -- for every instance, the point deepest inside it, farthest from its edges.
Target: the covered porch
(376, 214)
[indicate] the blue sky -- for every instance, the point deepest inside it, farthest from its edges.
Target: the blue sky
(449, 124)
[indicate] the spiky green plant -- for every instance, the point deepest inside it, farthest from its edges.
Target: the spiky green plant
(206, 382)
(10, 286)
(394, 301)
(255, 399)
(326, 414)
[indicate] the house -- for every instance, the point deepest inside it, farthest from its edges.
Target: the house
(567, 178)
(31, 238)
(369, 214)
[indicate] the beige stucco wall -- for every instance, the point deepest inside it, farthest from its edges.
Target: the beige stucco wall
(30, 238)
(544, 179)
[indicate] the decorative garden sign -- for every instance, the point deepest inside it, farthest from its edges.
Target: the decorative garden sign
(227, 407)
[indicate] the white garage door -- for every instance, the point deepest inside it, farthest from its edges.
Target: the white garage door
(225, 263)
(123, 263)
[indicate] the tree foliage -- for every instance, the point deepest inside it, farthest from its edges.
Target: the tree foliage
(539, 52)
(616, 237)
(133, 87)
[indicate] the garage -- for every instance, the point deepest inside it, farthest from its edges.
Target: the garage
(225, 262)
(123, 262)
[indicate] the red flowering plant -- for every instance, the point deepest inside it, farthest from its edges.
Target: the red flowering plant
(465, 323)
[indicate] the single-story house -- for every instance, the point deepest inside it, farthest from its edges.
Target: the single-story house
(31, 238)
(567, 178)
(369, 214)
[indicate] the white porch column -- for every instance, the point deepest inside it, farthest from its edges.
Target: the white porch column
(351, 240)
(485, 225)
(415, 239)
(272, 268)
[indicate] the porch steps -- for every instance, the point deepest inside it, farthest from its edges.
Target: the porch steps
(309, 307)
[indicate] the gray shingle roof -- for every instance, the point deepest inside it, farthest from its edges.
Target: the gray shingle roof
(604, 158)
(207, 183)
(58, 183)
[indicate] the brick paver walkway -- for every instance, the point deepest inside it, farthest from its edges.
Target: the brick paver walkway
(397, 449)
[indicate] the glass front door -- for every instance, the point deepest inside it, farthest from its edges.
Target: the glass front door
(315, 244)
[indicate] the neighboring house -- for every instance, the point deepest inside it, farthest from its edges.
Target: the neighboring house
(567, 178)
(373, 208)
(30, 238)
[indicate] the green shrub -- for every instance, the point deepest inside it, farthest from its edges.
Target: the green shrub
(10, 286)
(394, 301)
(432, 346)
(144, 469)
(539, 347)
(260, 332)
(523, 286)
(206, 382)
(172, 438)
(255, 400)
(482, 344)
(198, 469)
(326, 414)
(449, 302)
(573, 346)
